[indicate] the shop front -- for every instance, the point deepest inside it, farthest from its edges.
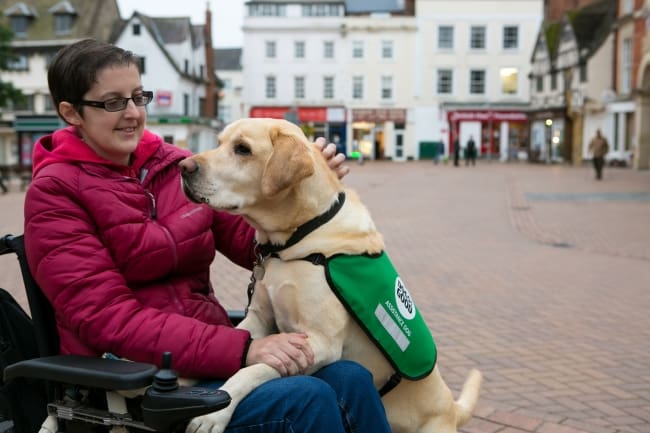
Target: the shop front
(498, 134)
(328, 122)
(379, 133)
(548, 137)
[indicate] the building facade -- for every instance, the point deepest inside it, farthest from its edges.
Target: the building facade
(472, 68)
(228, 67)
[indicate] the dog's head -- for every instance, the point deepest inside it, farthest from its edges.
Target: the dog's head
(256, 160)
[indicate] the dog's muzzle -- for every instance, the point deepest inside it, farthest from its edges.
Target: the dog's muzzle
(189, 172)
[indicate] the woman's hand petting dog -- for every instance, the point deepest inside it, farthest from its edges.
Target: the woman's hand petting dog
(334, 160)
(289, 353)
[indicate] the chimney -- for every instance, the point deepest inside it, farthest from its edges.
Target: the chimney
(210, 111)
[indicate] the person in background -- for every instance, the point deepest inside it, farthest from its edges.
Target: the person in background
(124, 257)
(470, 151)
(598, 147)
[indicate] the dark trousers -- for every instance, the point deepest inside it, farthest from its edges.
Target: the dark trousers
(599, 162)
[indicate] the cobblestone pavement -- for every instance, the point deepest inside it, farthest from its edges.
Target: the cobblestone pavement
(537, 275)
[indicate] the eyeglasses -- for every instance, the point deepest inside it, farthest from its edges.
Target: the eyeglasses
(119, 104)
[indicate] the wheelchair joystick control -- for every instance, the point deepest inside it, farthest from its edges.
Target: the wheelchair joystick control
(165, 379)
(166, 406)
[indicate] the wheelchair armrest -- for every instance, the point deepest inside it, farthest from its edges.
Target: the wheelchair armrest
(236, 316)
(111, 374)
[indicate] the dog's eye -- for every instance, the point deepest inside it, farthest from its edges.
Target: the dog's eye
(242, 149)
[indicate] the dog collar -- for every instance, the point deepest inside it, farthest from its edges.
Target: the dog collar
(305, 229)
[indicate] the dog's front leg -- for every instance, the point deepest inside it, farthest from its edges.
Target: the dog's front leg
(238, 386)
(259, 319)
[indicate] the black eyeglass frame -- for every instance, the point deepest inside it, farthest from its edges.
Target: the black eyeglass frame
(146, 94)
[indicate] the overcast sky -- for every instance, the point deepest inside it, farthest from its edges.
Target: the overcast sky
(226, 16)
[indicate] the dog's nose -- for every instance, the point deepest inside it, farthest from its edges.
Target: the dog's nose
(188, 166)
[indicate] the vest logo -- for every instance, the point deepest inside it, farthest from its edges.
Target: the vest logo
(403, 300)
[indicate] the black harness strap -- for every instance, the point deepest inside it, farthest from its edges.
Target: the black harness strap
(305, 229)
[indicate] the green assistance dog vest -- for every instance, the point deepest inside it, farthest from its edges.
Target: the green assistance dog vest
(375, 295)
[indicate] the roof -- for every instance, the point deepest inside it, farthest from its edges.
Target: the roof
(166, 31)
(227, 59)
(92, 18)
(369, 6)
(592, 24)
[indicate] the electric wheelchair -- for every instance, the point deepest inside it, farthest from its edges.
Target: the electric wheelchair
(51, 393)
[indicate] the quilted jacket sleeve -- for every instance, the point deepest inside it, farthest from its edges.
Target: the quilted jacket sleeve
(93, 303)
(234, 239)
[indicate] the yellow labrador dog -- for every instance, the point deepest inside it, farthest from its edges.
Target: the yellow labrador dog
(268, 172)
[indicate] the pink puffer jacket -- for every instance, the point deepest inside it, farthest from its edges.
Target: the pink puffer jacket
(124, 257)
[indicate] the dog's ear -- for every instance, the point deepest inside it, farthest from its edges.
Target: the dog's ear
(289, 163)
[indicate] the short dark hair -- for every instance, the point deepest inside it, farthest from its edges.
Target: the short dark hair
(74, 69)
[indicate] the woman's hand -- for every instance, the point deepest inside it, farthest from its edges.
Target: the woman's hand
(334, 160)
(289, 353)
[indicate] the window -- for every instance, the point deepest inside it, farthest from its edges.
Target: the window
(628, 6)
(142, 65)
(328, 87)
(299, 49)
(553, 80)
(27, 104)
(328, 49)
(19, 25)
(267, 10)
(445, 81)
(18, 64)
(186, 66)
(136, 29)
(446, 37)
(583, 72)
(539, 84)
(357, 49)
(509, 80)
(49, 104)
(299, 87)
(477, 82)
(186, 104)
(63, 24)
(224, 113)
(357, 87)
(386, 49)
(226, 83)
(386, 87)
(270, 49)
(626, 66)
(270, 87)
(477, 38)
(320, 10)
(510, 37)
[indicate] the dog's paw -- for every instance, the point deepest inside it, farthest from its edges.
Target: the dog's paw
(215, 422)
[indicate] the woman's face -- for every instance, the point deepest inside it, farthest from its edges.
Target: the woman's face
(113, 135)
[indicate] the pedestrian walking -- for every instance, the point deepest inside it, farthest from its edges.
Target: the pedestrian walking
(598, 147)
(470, 155)
(456, 151)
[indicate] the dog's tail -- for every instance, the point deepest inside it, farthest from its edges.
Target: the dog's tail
(468, 397)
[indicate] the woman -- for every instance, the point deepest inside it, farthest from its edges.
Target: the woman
(124, 257)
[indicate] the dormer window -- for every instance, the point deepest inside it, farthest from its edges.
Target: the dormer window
(64, 15)
(20, 15)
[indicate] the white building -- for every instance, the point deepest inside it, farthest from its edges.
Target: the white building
(394, 85)
(339, 76)
(472, 70)
(228, 67)
(173, 60)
